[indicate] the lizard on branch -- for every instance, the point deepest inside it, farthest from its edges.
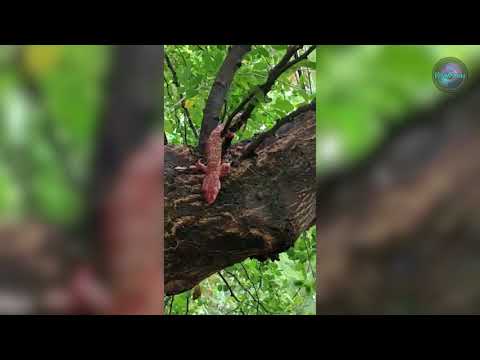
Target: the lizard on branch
(215, 168)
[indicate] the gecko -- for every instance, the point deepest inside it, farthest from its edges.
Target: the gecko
(215, 169)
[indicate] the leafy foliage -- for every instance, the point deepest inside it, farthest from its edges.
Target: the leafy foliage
(196, 68)
(46, 137)
(283, 287)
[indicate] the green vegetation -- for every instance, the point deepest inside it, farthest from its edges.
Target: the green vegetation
(362, 90)
(283, 287)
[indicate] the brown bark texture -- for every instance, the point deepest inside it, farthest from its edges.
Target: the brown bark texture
(265, 203)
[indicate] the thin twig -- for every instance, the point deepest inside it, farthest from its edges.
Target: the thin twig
(182, 101)
(247, 105)
(231, 291)
(171, 305)
(251, 282)
(247, 291)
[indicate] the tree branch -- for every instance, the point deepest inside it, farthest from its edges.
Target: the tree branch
(250, 150)
(248, 291)
(248, 104)
(232, 294)
(219, 91)
(265, 204)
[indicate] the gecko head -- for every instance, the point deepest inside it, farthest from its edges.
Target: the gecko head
(210, 188)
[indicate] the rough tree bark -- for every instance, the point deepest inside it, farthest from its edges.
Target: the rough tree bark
(266, 202)
(400, 232)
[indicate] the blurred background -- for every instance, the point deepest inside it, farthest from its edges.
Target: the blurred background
(69, 117)
(50, 98)
(363, 90)
(397, 204)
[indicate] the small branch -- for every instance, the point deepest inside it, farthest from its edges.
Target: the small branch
(188, 305)
(219, 91)
(253, 285)
(232, 294)
(250, 150)
(249, 105)
(299, 76)
(248, 291)
(229, 287)
(171, 305)
(283, 62)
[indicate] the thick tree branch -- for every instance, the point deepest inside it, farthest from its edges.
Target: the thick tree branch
(264, 205)
(250, 149)
(216, 99)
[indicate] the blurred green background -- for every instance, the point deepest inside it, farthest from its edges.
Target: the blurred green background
(49, 100)
(362, 90)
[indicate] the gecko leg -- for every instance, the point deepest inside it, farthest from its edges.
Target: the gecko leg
(225, 169)
(201, 166)
(230, 135)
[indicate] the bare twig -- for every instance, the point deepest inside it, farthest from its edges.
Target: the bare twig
(231, 292)
(248, 105)
(247, 291)
(229, 287)
(251, 282)
(171, 305)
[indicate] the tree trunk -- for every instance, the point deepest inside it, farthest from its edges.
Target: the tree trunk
(265, 203)
(400, 233)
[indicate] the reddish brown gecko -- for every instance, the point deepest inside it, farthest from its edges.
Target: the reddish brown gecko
(215, 168)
